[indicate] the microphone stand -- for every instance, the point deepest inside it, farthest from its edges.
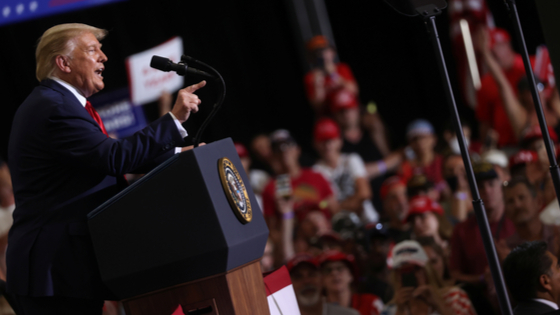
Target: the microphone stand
(554, 170)
(429, 13)
(216, 106)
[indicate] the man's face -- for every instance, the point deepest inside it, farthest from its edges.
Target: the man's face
(336, 276)
(306, 281)
(348, 117)
(86, 64)
(520, 205)
(491, 194)
(423, 143)
(504, 54)
(328, 148)
(396, 203)
(554, 275)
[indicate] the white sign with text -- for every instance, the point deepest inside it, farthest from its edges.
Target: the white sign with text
(146, 83)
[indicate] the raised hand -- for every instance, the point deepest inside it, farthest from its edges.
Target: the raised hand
(187, 102)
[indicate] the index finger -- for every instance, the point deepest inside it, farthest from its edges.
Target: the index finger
(194, 87)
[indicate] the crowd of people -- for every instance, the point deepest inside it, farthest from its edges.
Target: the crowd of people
(365, 228)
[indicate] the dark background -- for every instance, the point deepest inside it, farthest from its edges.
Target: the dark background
(251, 43)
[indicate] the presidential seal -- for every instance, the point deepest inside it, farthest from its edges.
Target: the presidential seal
(235, 190)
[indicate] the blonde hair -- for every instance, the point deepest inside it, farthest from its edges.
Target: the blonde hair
(59, 40)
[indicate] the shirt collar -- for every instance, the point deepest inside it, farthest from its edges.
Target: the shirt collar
(72, 89)
(547, 302)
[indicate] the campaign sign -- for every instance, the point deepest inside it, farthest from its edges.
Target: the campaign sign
(146, 83)
(120, 117)
(13, 11)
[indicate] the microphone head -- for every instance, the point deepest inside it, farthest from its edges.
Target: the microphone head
(161, 63)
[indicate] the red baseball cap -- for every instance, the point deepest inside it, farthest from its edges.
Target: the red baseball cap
(499, 35)
(326, 129)
(317, 42)
(300, 259)
(389, 184)
(523, 157)
(335, 255)
(534, 132)
(341, 99)
(422, 204)
(241, 150)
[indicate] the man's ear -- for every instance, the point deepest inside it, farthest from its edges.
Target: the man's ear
(63, 63)
(545, 282)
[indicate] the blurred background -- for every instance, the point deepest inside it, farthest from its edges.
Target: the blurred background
(257, 48)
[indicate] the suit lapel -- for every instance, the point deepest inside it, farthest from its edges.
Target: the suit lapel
(69, 98)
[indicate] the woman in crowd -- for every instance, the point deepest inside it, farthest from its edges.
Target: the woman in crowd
(427, 220)
(418, 287)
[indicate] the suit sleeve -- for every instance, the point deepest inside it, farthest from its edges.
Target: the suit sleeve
(77, 139)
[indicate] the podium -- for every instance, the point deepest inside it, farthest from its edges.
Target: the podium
(190, 232)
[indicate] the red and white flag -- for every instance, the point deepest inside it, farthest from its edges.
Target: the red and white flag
(280, 293)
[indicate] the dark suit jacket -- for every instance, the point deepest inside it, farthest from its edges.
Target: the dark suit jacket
(63, 167)
(531, 308)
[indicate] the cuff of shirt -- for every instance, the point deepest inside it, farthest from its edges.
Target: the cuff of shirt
(180, 128)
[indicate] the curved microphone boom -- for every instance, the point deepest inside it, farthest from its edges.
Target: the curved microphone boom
(218, 103)
(165, 64)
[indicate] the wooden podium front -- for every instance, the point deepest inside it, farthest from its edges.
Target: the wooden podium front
(238, 291)
(178, 237)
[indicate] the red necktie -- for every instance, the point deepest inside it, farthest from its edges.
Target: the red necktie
(95, 115)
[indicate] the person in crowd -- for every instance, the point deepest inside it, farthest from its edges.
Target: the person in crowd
(451, 142)
(422, 157)
(497, 97)
(261, 152)
(428, 220)
(438, 258)
(345, 171)
(367, 143)
(51, 264)
(326, 75)
(299, 234)
(532, 139)
(499, 161)
(267, 260)
(420, 185)
(418, 287)
(307, 283)
(338, 276)
(302, 189)
(522, 207)
(459, 202)
(376, 274)
(395, 208)
(468, 262)
(532, 276)
(257, 178)
(526, 164)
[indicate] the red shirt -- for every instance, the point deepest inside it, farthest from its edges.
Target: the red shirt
(308, 190)
(467, 249)
(367, 304)
(490, 108)
(434, 171)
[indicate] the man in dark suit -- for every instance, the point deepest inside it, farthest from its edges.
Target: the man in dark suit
(532, 275)
(64, 165)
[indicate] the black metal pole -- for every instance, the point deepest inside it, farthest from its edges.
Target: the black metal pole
(479, 210)
(554, 170)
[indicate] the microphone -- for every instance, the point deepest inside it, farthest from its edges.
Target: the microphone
(164, 64)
